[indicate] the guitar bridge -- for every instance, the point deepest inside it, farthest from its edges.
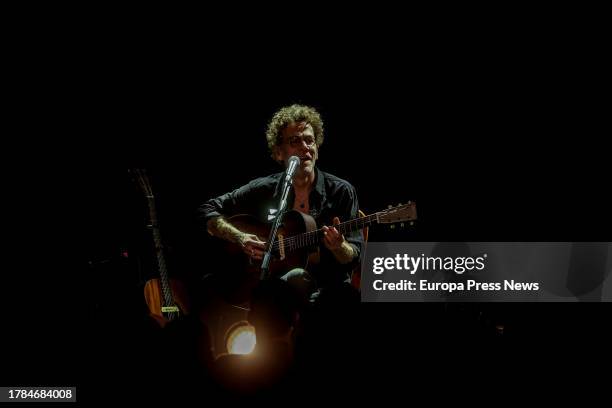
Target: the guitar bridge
(281, 246)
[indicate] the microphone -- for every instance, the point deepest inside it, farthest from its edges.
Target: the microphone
(292, 165)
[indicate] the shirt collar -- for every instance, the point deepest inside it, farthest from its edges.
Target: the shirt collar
(319, 186)
(319, 182)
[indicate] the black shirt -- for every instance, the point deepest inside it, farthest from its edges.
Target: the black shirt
(331, 197)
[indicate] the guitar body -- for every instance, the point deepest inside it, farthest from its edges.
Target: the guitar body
(293, 223)
(169, 304)
(248, 273)
(296, 246)
(155, 300)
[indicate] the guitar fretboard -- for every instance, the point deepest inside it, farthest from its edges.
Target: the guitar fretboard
(313, 238)
(145, 185)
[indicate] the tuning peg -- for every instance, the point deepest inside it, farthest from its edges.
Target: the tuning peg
(409, 202)
(399, 204)
(392, 226)
(402, 225)
(390, 206)
(411, 223)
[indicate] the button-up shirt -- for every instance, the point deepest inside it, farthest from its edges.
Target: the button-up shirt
(331, 197)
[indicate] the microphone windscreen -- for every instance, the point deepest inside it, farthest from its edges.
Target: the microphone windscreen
(294, 160)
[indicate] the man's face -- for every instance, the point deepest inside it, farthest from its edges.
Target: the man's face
(298, 140)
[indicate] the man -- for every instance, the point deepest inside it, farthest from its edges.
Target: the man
(295, 131)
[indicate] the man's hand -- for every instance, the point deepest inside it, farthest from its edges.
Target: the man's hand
(252, 246)
(331, 237)
(335, 242)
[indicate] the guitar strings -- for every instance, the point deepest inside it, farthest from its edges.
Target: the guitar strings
(145, 184)
(301, 240)
(295, 241)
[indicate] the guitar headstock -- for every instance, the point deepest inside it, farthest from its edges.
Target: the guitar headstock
(399, 213)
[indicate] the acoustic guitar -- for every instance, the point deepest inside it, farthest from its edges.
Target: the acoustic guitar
(165, 297)
(297, 241)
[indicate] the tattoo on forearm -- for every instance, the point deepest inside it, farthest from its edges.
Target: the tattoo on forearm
(220, 228)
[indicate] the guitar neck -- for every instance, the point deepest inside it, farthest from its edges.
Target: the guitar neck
(356, 224)
(140, 175)
(159, 252)
(315, 237)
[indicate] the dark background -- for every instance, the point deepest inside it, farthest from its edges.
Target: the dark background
(487, 154)
(505, 146)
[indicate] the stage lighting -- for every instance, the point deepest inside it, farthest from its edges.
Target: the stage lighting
(240, 338)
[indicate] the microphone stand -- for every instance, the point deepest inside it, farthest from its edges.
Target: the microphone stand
(265, 265)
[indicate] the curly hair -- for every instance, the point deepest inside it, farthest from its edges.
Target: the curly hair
(293, 114)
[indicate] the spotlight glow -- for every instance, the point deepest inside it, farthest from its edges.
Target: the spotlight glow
(241, 339)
